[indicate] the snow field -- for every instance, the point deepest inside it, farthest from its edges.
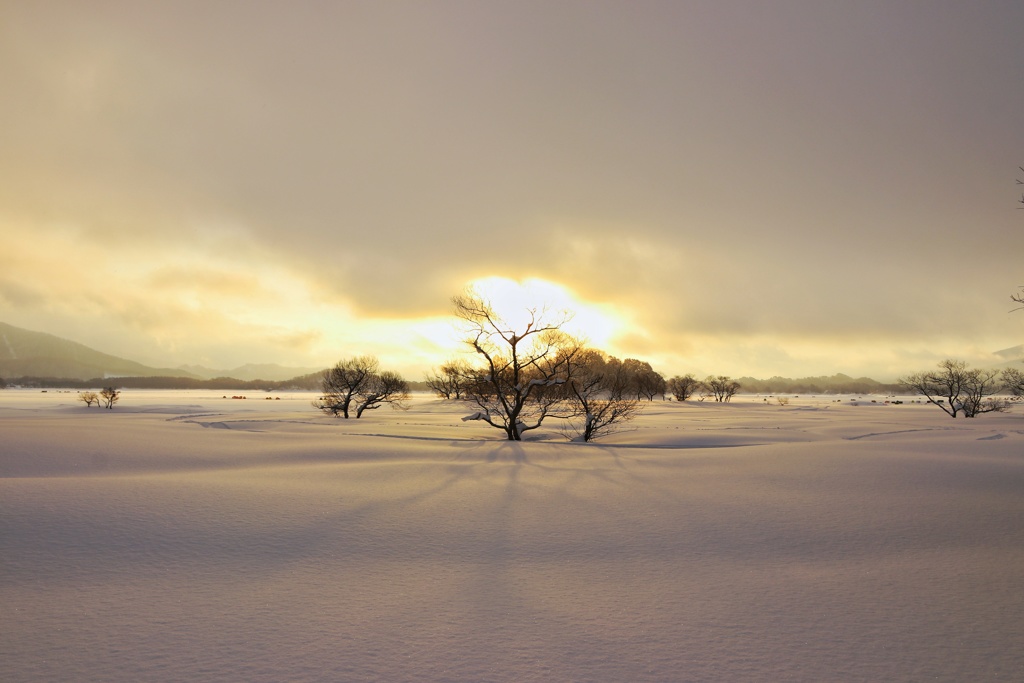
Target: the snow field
(182, 536)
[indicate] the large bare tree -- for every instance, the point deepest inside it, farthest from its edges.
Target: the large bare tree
(359, 382)
(601, 400)
(982, 384)
(1013, 382)
(340, 385)
(954, 388)
(646, 382)
(385, 388)
(522, 364)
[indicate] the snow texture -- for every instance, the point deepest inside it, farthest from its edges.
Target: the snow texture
(187, 537)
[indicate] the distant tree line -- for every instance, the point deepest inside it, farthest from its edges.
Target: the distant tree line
(304, 382)
(310, 382)
(631, 376)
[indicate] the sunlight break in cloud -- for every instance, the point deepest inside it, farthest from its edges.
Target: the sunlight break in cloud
(597, 324)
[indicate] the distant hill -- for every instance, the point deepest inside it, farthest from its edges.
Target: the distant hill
(834, 384)
(24, 353)
(1012, 353)
(251, 371)
(1012, 357)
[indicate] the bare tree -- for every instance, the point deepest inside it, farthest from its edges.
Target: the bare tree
(600, 400)
(340, 384)
(110, 396)
(450, 380)
(682, 388)
(516, 389)
(955, 388)
(721, 387)
(645, 381)
(651, 384)
(1013, 382)
(982, 383)
(88, 398)
(1021, 182)
(1019, 297)
(943, 388)
(380, 389)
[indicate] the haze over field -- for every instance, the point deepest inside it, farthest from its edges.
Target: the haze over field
(790, 188)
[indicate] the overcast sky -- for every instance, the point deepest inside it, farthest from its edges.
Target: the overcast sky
(745, 188)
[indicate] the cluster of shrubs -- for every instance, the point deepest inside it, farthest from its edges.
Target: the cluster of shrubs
(105, 399)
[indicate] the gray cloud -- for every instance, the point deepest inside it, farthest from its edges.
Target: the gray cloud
(733, 169)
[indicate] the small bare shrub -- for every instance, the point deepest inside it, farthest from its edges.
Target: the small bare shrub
(110, 396)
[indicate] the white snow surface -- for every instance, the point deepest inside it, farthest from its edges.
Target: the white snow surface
(184, 536)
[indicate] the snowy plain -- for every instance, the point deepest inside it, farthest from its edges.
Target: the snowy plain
(184, 536)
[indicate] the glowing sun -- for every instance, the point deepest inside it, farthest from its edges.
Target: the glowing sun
(512, 300)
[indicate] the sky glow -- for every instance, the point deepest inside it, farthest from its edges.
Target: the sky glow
(517, 303)
(745, 188)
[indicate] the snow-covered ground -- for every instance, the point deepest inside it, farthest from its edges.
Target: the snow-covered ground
(184, 536)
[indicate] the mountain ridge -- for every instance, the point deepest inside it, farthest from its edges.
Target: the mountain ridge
(27, 353)
(39, 354)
